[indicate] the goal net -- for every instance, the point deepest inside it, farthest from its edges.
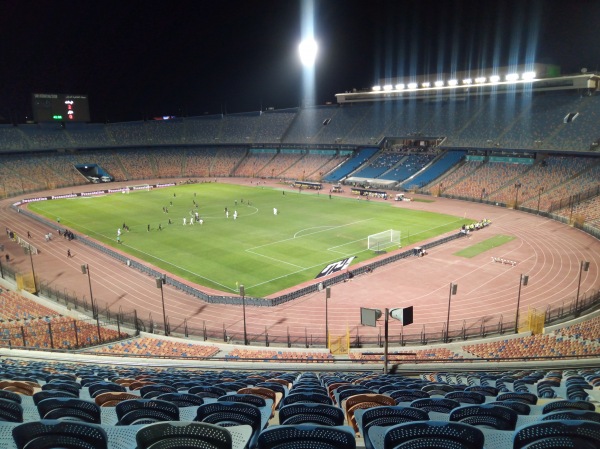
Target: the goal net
(383, 240)
(138, 188)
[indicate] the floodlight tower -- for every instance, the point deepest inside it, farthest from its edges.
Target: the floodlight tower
(308, 52)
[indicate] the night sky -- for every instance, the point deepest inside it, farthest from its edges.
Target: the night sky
(140, 59)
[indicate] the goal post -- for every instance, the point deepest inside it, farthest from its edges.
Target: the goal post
(383, 240)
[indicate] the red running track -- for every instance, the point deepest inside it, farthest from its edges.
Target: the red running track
(548, 251)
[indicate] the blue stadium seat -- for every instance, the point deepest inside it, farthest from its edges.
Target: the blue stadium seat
(311, 413)
(307, 436)
(427, 434)
(386, 416)
(145, 411)
(558, 435)
(74, 409)
(191, 435)
(46, 434)
(496, 416)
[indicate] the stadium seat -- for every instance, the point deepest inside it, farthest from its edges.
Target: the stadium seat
(10, 411)
(578, 415)
(385, 416)
(311, 413)
(317, 398)
(558, 435)
(567, 405)
(496, 416)
(192, 435)
(74, 409)
(408, 395)
(306, 436)
(427, 434)
(181, 399)
(227, 414)
(440, 405)
(467, 397)
(46, 434)
(145, 411)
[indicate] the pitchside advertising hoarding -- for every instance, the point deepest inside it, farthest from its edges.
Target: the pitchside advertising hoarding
(83, 194)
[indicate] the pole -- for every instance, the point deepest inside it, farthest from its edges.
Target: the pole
(32, 269)
(539, 198)
(583, 266)
(327, 295)
(522, 281)
(517, 187)
(159, 284)
(453, 288)
(385, 341)
(243, 293)
(86, 270)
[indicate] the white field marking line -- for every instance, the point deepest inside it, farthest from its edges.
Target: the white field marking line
(328, 228)
(276, 260)
(333, 260)
(310, 233)
(314, 227)
(162, 260)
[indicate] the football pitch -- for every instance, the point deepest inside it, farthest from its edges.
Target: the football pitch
(264, 251)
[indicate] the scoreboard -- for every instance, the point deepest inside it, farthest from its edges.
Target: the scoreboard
(60, 107)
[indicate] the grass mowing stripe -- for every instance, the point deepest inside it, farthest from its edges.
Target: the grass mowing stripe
(265, 252)
(492, 242)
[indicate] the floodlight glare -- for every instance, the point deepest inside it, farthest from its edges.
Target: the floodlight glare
(426, 84)
(453, 82)
(308, 52)
(494, 79)
(412, 85)
(512, 77)
(468, 81)
(387, 87)
(376, 88)
(480, 79)
(439, 84)
(528, 75)
(400, 86)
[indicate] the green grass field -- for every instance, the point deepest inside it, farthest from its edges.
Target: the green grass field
(265, 252)
(486, 245)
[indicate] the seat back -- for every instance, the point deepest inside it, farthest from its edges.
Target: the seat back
(305, 435)
(70, 408)
(496, 416)
(559, 434)
(189, 434)
(311, 413)
(46, 434)
(421, 434)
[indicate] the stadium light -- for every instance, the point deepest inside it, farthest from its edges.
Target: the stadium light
(494, 79)
(376, 88)
(528, 76)
(453, 83)
(159, 284)
(243, 295)
(467, 81)
(426, 84)
(480, 79)
(400, 86)
(522, 282)
(583, 266)
(439, 84)
(512, 77)
(412, 85)
(453, 290)
(308, 52)
(387, 87)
